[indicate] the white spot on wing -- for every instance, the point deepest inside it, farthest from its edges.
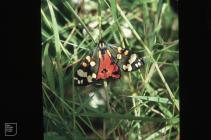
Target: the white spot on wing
(92, 63)
(89, 79)
(124, 67)
(129, 67)
(119, 49)
(132, 58)
(81, 73)
(119, 56)
(94, 75)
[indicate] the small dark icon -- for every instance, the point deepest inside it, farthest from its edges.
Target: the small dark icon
(10, 129)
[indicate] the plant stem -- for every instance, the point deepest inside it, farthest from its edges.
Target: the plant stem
(108, 104)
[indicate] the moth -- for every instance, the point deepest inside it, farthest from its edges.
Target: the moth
(106, 62)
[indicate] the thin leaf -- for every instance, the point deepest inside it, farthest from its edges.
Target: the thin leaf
(153, 99)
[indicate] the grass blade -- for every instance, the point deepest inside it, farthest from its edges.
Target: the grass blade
(153, 99)
(122, 117)
(79, 19)
(58, 50)
(49, 68)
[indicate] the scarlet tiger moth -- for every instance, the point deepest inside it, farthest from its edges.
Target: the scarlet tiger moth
(106, 62)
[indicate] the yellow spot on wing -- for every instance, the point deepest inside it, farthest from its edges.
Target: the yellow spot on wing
(84, 64)
(108, 53)
(100, 56)
(88, 58)
(126, 52)
(119, 49)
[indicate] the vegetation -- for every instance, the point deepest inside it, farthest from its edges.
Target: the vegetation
(142, 104)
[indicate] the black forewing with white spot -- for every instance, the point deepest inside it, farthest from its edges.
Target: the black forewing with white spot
(134, 62)
(125, 59)
(86, 73)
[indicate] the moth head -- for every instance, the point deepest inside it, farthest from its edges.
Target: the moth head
(101, 44)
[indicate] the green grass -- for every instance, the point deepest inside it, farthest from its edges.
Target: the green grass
(141, 105)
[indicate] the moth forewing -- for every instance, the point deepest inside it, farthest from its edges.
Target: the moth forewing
(85, 73)
(126, 60)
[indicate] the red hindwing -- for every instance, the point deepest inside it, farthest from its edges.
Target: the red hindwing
(107, 68)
